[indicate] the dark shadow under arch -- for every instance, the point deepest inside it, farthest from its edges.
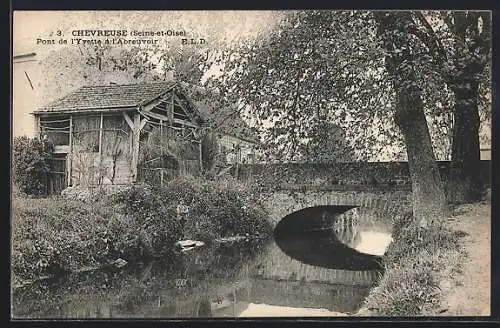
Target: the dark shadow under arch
(306, 235)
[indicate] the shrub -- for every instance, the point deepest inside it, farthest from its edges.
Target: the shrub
(217, 208)
(52, 235)
(31, 164)
(154, 221)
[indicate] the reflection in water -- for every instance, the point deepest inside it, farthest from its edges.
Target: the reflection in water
(205, 309)
(258, 279)
(374, 243)
(336, 240)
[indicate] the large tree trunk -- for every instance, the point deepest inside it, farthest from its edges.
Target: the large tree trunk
(465, 184)
(428, 197)
(472, 46)
(429, 201)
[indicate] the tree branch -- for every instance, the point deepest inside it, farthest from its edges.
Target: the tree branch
(459, 26)
(430, 39)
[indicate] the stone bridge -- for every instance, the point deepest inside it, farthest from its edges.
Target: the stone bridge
(375, 188)
(366, 204)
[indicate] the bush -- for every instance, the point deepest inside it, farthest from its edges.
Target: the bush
(154, 221)
(31, 164)
(55, 235)
(217, 208)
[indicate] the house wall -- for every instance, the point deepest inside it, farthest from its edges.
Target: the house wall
(84, 164)
(25, 95)
(113, 162)
(93, 156)
(230, 143)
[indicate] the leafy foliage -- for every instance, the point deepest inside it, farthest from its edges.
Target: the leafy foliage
(315, 67)
(217, 208)
(53, 235)
(211, 153)
(31, 164)
(328, 144)
(156, 227)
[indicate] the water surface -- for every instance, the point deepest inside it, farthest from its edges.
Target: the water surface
(306, 272)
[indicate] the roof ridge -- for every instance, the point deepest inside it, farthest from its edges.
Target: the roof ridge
(171, 86)
(92, 86)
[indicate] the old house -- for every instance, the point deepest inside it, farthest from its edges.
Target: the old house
(237, 141)
(120, 134)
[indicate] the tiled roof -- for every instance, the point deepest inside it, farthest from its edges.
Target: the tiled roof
(108, 96)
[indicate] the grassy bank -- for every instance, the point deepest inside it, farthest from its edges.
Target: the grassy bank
(56, 235)
(416, 262)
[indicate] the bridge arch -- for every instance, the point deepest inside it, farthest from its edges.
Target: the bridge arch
(374, 204)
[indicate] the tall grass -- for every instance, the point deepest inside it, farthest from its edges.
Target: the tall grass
(415, 263)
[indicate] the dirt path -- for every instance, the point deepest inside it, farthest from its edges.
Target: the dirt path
(467, 293)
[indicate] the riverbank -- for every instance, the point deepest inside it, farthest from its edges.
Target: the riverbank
(52, 236)
(442, 269)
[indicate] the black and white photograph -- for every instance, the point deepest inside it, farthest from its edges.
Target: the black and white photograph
(182, 164)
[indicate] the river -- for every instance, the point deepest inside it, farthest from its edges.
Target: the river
(299, 272)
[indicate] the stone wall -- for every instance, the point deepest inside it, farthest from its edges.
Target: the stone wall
(344, 176)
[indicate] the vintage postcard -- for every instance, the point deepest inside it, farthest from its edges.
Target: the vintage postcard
(202, 164)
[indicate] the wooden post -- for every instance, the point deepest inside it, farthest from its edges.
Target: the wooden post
(172, 107)
(161, 152)
(135, 145)
(100, 139)
(161, 139)
(70, 154)
(38, 127)
(237, 163)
